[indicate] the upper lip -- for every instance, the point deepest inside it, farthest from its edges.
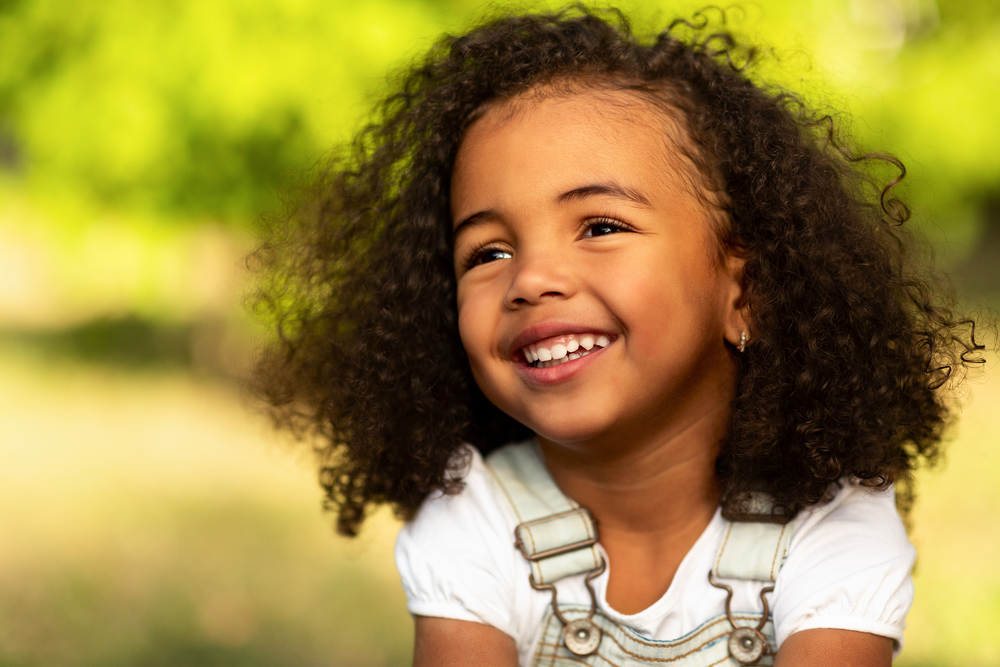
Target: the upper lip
(544, 330)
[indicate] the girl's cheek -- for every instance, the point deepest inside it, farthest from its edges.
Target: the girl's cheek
(471, 325)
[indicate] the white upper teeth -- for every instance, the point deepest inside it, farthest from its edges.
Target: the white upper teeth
(564, 348)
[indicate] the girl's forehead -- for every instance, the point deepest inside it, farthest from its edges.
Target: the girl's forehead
(601, 128)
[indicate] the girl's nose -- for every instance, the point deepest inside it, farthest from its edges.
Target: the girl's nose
(537, 277)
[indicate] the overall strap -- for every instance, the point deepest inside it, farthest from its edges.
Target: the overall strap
(558, 537)
(555, 535)
(753, 550)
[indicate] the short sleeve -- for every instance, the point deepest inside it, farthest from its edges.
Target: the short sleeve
(849, 568)
(456, 559)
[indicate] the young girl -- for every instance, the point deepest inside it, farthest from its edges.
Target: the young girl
(630, 340)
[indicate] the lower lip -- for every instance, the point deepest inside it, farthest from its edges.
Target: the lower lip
(560, 372)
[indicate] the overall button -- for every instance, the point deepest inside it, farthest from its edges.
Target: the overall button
(582, 636)
(747, 645)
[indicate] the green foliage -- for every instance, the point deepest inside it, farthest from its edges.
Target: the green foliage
(134, 119)
(187, 109)
(198, 110)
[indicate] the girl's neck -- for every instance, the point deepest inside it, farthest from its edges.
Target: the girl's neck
(623, 480)
(652, 497)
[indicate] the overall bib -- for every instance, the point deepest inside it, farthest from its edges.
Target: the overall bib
(559, 539)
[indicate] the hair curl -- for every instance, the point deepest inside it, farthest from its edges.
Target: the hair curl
(850, 346)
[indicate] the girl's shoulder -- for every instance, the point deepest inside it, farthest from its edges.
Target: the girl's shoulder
(456, 558)
(852, 506)
(848, 567)
(475, 507)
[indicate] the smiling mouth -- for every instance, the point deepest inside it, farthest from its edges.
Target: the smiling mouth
(561, 349)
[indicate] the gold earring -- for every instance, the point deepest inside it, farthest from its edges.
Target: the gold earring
(743, 341)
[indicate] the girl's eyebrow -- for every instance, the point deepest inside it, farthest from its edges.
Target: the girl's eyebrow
(474, 219)
(609, 189)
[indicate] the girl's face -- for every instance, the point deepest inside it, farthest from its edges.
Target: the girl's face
(576, 234)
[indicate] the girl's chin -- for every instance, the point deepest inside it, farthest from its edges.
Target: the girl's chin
(568, 432)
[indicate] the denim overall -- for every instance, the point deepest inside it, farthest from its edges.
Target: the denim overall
(559, 539)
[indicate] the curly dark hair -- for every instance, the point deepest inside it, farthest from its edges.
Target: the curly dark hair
(851, 350)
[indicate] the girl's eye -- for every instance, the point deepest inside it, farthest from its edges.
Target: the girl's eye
(486, 255)
(604, 227)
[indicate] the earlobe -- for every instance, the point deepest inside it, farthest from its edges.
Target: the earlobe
(737, 328)
(738, 331)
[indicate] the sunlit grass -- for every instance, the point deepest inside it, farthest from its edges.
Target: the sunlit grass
(957, 609)
(147, 518)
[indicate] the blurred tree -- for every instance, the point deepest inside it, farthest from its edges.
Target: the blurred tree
(124, 117)
(205, 108)
(188, 109)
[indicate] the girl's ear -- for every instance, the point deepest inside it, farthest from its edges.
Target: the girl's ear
(735, 301)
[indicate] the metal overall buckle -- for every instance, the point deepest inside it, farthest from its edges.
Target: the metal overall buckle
(582, 636)
(747, 645)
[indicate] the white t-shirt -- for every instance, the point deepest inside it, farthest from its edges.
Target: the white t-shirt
(848, 568)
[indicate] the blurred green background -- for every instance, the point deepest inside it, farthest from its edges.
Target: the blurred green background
(147, 517)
